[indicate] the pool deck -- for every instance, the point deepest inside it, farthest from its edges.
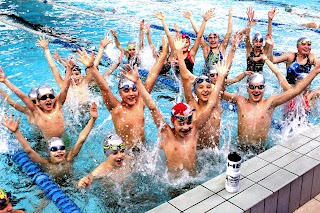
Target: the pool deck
(281, 179)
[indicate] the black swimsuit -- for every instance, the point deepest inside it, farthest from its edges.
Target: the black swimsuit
(255, 66)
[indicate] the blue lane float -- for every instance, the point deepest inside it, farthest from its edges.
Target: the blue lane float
(49, 188)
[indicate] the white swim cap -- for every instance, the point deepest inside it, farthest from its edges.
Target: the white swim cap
(112, 143)
(54, 141)
(257, 37)
(43, 90)
(125, 83)
(256, 78)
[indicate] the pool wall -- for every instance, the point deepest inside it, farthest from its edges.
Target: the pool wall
(280, 179)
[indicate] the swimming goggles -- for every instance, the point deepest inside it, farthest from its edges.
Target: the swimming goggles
(114, 147)
(34, 101)
(181, 118)
(55, 148)
(304, 42)
(200, 80)
(213, 74)
(127, 86)
(44, 97)
(258, 39)
(4, 199)
(252, 87)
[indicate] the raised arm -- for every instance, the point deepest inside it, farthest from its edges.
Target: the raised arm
(222, 69)
(103, 43)
(118, 45)
(141, 40)
(84, 133)
(13, 126)
(208, 15)
(235, 43)
(238, 77)
(26, 100)
(161, 16)
(108, 98)
(61, 97)
(186, 76)
(271, 15)
(291, 93)
(12, 103)
(189, 16)
(155, 70)
(226, 39)
(133, 75)
(147, 31)
(251, 22)
(42, 42)
(113, 67)
(282, 80)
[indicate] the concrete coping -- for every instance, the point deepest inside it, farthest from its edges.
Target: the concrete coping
(280, 179)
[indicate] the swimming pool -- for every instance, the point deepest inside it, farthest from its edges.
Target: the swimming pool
(25, 65)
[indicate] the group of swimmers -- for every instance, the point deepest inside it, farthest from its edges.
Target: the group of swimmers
(194, 125)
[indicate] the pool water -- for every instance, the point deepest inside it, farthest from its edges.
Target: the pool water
(25, 65)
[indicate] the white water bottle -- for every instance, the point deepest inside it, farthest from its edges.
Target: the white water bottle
(233, 172)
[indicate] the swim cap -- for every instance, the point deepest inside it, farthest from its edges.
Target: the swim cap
(181, 111)
(213, 34)
(33, 93)
(112, 143)
(301, 76)
(131, 45)
(125, 83)
(212, 70)
(54, 141)
(185, 36)
(3, 194)
(288, 9)
(257, 37)
(43, 90)
(201, 79)
(255, 78)
(303, 39)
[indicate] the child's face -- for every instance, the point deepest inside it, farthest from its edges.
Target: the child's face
(46, 102)
(203, 91)
(213, 40)
(129, 95)
(132, 51)
(57, 154)
(76, 78)
(183, 127)
(117, 158)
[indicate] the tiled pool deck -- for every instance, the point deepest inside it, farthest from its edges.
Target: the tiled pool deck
(280, 179)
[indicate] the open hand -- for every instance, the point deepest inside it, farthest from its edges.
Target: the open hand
(272, 13)
(10, 123)
(85, 58)
(129, 73)
(187, 15)
(209, 14)
(222, 67)
(42, 42)
(85, 182)
(159, 15)
(104, 42)
(179, 43)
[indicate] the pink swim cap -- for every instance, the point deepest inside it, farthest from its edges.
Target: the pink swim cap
(181, 111)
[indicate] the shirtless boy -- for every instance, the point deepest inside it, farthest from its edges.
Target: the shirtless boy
(255, 112)
(116, 167)
(48, 112)
(127, 114)
(59, 162)
(179, 143)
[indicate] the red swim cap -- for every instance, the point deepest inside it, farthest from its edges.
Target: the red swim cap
(181, 110)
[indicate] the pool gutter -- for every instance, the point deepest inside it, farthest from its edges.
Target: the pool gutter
(280, 179)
